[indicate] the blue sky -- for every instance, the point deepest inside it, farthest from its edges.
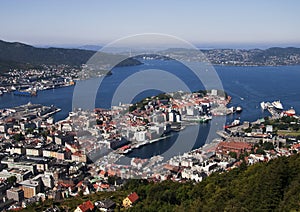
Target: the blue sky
(214, 22)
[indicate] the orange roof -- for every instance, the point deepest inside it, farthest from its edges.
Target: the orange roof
(106, 186)
(102, 172)
(111, 173)
(296, 146)
(96, 186)
(86, 206)
(133, 197)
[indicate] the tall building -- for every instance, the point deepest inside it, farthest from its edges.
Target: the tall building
(16, 194)
(31, 187)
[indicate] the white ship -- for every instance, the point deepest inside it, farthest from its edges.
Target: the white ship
(277, 105)
(263, 105)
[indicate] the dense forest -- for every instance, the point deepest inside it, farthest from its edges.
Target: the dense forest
(273, 186)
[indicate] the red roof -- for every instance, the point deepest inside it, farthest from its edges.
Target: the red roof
(106, 186)
(78, 153)
(102, 172)
(96, 186)
(133, 197)
(64, 184)
(235, 145)
(79, 184)
(86, 206)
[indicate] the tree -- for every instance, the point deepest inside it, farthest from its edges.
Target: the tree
(233, 155)
(12, 180)
(260, 151)
(19, 137)
(268, 146)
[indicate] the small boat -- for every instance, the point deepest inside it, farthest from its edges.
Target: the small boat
(239, 109)
(24, 93)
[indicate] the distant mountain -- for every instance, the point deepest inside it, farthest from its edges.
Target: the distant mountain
(23, 56)
(90, 47)
(19, 55)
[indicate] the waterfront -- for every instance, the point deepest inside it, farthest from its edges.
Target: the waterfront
(248, 86)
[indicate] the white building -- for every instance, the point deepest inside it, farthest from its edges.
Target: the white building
(140, 136)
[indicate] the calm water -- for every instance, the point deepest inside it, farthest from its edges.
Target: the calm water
(248, 86)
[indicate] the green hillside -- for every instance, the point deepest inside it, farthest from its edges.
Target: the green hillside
(273, 186)
(19, 55)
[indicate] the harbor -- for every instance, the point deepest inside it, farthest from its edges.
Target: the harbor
(29, 112)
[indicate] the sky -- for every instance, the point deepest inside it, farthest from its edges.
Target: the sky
(209, 23)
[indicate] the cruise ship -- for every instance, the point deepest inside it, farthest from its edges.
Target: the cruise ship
(277, 105)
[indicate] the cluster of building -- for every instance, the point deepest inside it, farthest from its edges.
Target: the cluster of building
(107, 204)
(238, 57)
(41, 159)
(248, 143)
(80, 155)
(51, 76)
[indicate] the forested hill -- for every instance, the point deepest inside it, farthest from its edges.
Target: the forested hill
(19, 55)
(273, 186)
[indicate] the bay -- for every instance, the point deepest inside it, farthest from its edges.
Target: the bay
(248, 86)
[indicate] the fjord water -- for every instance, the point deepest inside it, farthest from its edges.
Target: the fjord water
(248, 86)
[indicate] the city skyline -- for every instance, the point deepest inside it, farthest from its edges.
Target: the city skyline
(205, 24)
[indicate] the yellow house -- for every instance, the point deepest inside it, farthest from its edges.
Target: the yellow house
(130, 199)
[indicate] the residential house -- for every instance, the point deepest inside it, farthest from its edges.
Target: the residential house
(130, 200)
(85, 207)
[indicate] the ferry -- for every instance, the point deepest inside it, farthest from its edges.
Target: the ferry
(24, 93)
(236, 122)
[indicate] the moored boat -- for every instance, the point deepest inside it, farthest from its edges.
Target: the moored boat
(239, 109)
(24, 93)
(277, 105)
(236, 122)
(263, 105)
